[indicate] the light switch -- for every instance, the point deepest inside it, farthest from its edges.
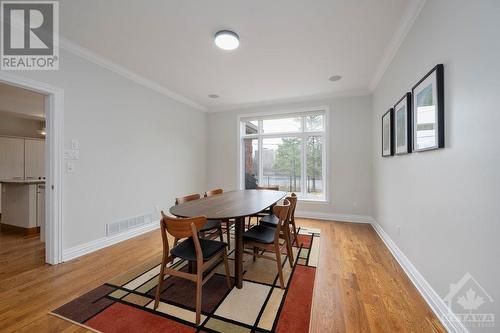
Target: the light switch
(71, 154)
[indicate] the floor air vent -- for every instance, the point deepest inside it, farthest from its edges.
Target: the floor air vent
(119, 227)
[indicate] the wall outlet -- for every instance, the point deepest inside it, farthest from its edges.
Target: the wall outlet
(157, 213)
(75, 144)
(70, 167)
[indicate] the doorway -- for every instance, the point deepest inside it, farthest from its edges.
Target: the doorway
(51, 203)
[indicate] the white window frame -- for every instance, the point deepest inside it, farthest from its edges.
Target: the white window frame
(302, 196)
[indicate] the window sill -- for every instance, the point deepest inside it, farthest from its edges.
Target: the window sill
(313, 201)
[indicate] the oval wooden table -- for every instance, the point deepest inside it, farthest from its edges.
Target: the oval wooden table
(231, 205)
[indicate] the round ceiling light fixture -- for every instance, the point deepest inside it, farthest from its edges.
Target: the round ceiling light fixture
(335, 78)
(213, 96)
(227, 40)
(42, 132)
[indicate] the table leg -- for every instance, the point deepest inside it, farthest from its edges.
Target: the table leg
(238, 252)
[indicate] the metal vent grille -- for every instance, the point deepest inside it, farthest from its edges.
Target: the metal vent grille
(119, 227)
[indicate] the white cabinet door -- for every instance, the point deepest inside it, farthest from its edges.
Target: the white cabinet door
(11, 158)
(34, 162)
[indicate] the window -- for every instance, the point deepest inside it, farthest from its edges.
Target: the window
(286, 150)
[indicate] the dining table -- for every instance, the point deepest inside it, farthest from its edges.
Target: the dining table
(235, 205)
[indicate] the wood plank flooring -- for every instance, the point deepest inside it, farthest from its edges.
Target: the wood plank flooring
(359, 285)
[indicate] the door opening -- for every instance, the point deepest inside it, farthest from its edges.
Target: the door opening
(31, 175)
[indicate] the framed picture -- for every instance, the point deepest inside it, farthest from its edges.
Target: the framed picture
(428, 111)
(387, 133)
(402, 125)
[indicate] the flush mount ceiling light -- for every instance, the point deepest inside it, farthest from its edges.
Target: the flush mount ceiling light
(213, 96)
(227, 40)
(335, 78)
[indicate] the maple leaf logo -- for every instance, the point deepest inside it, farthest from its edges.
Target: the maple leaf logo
(470, 301)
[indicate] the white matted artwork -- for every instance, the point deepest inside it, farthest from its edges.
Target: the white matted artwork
(387, 133)
(402, 125)
(428, 111)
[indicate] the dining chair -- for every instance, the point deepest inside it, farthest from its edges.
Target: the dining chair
(227, 222)
(272, 220)
(203, 252)
(266, 211)
(213, 227)
(260, 237)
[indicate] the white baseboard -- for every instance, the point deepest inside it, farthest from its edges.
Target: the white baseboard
(334, 217)
(80, 250)
(436, 303)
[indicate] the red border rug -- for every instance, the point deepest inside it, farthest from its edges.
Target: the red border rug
(125, 303)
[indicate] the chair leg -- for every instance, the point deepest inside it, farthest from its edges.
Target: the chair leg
(295, 239)
(289, 247)
(160, 283)
(199, 286)
(220, 233)
(226, 266)
(254, 253)
(228, 226)
(278, 263)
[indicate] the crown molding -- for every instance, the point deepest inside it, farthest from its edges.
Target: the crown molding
(399, 36)
(118, 69)
(274, 102)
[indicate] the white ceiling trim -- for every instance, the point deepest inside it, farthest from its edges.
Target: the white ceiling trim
(105, 63)
(399, 36)
(309, 98)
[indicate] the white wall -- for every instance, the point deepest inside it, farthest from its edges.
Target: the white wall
(447, 201)
(138, 148)
(349, 151)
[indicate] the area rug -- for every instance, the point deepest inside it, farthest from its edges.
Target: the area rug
(125, 303)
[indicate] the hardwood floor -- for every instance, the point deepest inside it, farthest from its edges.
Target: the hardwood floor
(359, 285)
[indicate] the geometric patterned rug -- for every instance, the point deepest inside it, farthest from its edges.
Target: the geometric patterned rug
(125, 303)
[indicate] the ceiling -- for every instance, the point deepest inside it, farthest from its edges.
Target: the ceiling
(21, 102)
(288, 50)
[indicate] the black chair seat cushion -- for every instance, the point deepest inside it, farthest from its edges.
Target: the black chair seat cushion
(260, 233)
(210, 225)
(186, 249)
(270, 221)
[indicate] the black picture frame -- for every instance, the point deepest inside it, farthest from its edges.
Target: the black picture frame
(404, 106)
(388, 125)
(429, 136)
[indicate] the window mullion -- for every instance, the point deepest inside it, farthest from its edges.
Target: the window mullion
(261, 165)
(304, 167)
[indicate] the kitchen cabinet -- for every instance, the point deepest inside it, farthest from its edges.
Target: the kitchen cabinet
(11, 158)
(34, 159)
(19, 203)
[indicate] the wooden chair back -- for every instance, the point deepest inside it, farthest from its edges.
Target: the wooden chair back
(187, 198)
(213, 192)
(281, 211)
(293, 203)
(292, 215)
(270, 187)
(180, 228)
